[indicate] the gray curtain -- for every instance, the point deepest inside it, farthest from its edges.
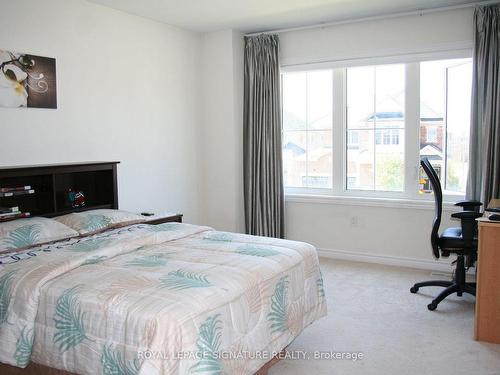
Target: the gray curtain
(484, 160)
(262, 159)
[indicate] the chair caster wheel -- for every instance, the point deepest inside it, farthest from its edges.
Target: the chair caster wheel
(431, 306)
(413, 289)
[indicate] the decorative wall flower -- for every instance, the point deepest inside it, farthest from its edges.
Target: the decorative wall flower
(12, 81)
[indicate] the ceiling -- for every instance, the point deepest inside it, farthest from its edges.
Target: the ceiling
(263, 15)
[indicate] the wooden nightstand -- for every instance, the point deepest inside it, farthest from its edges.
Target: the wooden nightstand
(165, 217)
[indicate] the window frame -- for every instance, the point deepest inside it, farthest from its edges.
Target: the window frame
(410, 192)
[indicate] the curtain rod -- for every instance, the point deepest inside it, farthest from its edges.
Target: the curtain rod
(418, 12)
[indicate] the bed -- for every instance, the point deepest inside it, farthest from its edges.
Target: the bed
(156, 299)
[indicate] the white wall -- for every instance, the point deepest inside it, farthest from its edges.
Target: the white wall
(221, 146)
(426, 33)
(398, 236)
(128, 90)
(383, 234)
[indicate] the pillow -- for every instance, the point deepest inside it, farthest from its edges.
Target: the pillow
(94, 221)
(24, 233)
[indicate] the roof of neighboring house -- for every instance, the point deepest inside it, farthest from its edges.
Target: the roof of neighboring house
(431, 152)
(386, 116)
(400, 116)
(297, 150)
(316, 154)
(294, 122)
(427, 113)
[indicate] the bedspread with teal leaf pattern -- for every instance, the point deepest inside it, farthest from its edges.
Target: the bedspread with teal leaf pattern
(129, 301)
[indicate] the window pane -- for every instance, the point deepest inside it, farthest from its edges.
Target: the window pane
(294, 158)
(390, 96)
(389, 167)
(375, 100)
(432, 111)
(360, 162)
(319, 159)
(294, 101)
(360, 97)
(307, 129)
(457, 126)
(445, 95)
(319, 100)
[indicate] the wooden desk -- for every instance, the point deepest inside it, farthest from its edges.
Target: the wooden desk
(487, 324)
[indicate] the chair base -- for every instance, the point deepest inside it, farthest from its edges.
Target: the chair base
(458, 285)
(451, 287)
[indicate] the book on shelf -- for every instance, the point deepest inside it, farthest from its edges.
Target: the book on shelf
(14, 193)
(8, 210)
(19, 215)
(7, 214)
(17, 188)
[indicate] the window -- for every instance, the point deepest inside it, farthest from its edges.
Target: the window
(362, 130)
(432, 132)
(307, 129)
(353, 140)
(375, 103)
(445, 95)
(387, 137)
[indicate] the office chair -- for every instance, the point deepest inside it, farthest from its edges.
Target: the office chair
(460, 241)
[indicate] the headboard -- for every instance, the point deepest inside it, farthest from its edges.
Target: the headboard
(49, 185)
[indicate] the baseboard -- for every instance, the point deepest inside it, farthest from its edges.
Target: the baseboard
(424, 264)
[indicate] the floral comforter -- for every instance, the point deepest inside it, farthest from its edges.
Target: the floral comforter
(166, 299)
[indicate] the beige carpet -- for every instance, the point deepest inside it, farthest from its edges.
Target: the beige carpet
(371, 310)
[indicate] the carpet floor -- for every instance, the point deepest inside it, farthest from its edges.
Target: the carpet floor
(371, 311)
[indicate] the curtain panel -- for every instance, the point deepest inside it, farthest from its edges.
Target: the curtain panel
(262, 158)
(484, 155)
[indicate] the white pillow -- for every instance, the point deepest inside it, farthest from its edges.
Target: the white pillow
(94, 221)
(24, 233)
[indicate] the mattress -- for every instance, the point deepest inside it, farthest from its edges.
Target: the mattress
(164, 299)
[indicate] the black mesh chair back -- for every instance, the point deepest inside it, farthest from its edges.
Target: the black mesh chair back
(438, 199)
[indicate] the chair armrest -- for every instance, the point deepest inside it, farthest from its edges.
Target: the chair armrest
(469, 225)
(471, 215)
(469, 205)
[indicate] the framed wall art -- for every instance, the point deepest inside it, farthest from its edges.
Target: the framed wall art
(27, 81)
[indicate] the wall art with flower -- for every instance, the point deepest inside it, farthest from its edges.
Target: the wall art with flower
(27, 81)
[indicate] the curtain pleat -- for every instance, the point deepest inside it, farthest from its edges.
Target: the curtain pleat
(263, 167)
(484, 154)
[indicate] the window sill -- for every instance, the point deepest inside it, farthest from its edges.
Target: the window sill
(367, 201)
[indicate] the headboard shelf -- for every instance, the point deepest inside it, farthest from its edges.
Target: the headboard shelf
(51, 183)
(86, 208)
